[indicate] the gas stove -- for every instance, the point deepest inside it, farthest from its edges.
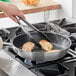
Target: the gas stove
(62, 67)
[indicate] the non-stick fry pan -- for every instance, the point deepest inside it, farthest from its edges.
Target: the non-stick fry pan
(59, 42)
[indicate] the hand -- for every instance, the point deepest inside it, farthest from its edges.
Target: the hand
(11, 11)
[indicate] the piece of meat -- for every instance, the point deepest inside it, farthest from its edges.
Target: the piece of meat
(28, 46)
(46, 46)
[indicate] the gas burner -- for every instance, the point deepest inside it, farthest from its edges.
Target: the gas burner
(4, 36)
(70, 29)
(40, 26)
(65, 24)
(54, 70)
(19, 31)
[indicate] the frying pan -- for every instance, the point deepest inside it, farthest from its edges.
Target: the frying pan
(59, 42)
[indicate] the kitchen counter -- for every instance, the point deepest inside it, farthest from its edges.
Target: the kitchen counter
(42, 6)
(11, 67)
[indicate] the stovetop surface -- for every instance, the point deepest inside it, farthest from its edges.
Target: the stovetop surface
(43, 68)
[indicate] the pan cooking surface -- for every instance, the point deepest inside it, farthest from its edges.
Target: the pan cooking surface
(61, 44)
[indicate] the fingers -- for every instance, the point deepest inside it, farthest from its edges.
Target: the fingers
(21, 15)
(13, 18)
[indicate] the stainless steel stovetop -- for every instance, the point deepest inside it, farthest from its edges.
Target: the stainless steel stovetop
(64, 67)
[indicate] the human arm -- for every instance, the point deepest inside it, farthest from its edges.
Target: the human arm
(11, 10)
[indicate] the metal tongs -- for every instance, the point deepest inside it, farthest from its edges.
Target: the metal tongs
(44, 35)
(26, 31)
(33, 39)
